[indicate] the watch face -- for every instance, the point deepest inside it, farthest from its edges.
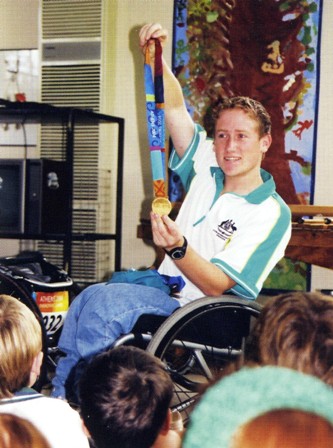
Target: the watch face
(178, 254)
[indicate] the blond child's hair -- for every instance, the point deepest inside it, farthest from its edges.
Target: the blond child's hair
(20, 343)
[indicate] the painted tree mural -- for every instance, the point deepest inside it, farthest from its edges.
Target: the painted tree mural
(256, 48)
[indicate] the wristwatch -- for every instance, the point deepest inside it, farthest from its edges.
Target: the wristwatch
(177, 253)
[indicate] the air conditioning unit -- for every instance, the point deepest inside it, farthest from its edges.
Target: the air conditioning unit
(71, 75)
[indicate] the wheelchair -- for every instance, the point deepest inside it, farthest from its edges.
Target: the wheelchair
(196, 342)
(47, 291)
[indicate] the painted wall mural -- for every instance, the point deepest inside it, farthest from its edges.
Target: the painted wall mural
(265, 49)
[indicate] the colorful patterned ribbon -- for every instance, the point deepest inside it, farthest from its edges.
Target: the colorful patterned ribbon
(155, 118)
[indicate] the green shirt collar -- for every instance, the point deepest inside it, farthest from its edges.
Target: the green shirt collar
(256, 196)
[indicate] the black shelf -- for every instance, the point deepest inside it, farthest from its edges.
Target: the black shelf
(89, 236)
(14, 112)
(69, 117)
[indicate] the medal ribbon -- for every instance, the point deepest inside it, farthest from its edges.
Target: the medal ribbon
(155, 118)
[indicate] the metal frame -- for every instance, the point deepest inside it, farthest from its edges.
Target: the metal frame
(34, 113)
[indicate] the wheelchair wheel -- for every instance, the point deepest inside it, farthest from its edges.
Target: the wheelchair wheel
(22, 292)
(198, 340)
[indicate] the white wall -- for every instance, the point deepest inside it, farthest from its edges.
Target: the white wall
(19, 29)
(18, 24)
(323, 278)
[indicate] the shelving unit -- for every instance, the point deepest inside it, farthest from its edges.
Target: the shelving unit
(40, 113)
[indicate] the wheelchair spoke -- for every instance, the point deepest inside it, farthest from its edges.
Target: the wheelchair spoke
(201, 360)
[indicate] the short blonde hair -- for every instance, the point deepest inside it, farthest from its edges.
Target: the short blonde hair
(20, 343)
(248, 105)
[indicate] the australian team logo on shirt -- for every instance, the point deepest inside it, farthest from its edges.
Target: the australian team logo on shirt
(226, 229)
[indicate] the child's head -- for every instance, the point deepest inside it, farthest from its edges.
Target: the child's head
(226, 407)
(295, 330)
(20, 344)
(125, 396)
(290, 428)
(19, 432)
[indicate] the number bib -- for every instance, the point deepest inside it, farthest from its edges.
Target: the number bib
(54, 307)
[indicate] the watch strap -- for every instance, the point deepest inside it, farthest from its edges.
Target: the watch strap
(178, 249)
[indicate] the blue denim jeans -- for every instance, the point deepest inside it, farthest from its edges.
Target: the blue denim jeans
(98, 316)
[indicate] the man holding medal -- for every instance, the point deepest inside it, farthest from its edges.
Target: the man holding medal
(236, 225)
(230, 232)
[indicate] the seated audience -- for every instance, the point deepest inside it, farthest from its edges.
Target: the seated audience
(125, 394)
(20, 361)
(17, 432)
(240, 397)
(288, 428)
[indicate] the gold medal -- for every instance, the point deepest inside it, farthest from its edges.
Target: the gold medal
(161, 206)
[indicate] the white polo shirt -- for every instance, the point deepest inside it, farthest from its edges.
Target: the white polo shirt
(55, 419)
(245, 236)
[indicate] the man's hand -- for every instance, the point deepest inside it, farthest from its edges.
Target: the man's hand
(210, 279)
(166, 233)
(149, 32)
(178, 121)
